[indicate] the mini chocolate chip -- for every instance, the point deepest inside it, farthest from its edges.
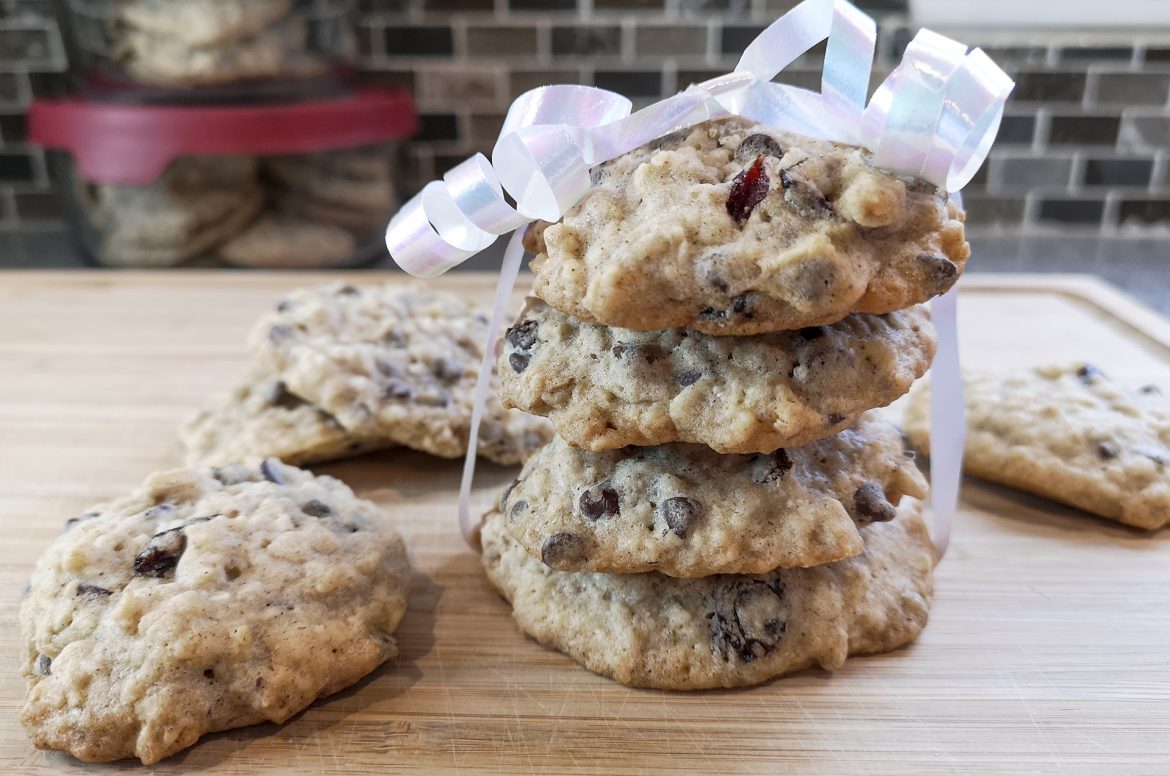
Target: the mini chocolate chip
(741, 304)
(518, 362)
(397, 389)
(209, 674)
(1108, 450)
(448, 370)
(598, 175)
(85, 588)
(280, 333)
(159, 512)
(519, 508)
(280, 396)
(563, 550)
(315, 508)
(44, 665)
(161, 554)
(833, 418)
(394, 338)
(1150, 390)
(621, 350)
(688, 378)
(680, 514)
(522, 336)
(73, 521)
(803, 195)
(757, 144)
(938, 272)
(1089, 374)
(870, 504)
(284, 305)
(270, 470)
(24, 591)
(811, 333)
(712, 313)
(749, 619)
(773, 468)
(599, 501)
(348, 290)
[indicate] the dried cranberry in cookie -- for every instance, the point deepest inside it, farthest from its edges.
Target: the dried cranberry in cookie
(734, 228)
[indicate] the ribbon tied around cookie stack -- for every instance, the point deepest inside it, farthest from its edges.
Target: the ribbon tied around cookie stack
(934, 117)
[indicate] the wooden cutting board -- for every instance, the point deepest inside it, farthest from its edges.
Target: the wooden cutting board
(1048, 649)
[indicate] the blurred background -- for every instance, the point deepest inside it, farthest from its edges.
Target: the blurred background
(1078, 181)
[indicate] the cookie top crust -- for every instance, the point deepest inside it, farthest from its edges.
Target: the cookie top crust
(649, 630)
(208, 599)
(399, 363)
(260, 418)
(1067, 432)
(686, 511)
(604, 388)
(733, 228)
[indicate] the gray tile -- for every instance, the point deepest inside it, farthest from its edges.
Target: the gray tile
(1083, 130)
(1118, 172)
(586, 40)
(1144, 211)
(418, 41)
(688, 76)
(12, 128)
(520, 81)
(1017, 55)
(1095, 53)
(724, 7)
(1132, 88)
(642, 6)
(1016, 130)
(645, 83)
(1028, 171)
(447, 6)
(447, 87)
(734, 38)
(670, 40)
(501, 40)
(485, 127)
(438, 126)
(1072, 211)
(38, 206)
(989, 211)
(563, 6)
(25, 46)
(16, 167)
(9, 87)
(1144, 132)
(1047, 86)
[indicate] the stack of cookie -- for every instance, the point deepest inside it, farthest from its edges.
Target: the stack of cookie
(716, 321)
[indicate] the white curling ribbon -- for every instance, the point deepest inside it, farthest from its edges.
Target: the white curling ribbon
(935, 117)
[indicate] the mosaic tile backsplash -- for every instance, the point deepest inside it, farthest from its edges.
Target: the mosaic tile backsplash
(1084, 146)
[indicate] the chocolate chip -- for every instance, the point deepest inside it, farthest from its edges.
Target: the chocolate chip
(394, 338)
(280, 396)
(518, 362)
(448, 371)
(315, 508)
(44, 665)
(209, 674)
(749, 620)
(741, 305)
(938, 272)
(159, 512)
(284, 305)
(397, 389)
(688, 378)
(270, 470)
(811, 333)
(870, 504)
(772, 468)
(680, 514)
(507, 492)
(519, 508)
(1089, 374)
(162, 554)
(599, 501)
(522, 336)
(598, 175)
(348, 290)
(85, 588)
(712, 314)
(24, 591)
(711, 267)
(757, 145)
(833, 418)
(563, 550)
(803, 195)
(1150, 390)
(1107, 450)
(748, 189)
(279, 333)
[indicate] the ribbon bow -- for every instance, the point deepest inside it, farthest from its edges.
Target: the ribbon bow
(935, 117)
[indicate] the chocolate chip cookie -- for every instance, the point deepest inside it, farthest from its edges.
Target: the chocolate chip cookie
(734, 228)
(197, 23)
(281, 241)
(260, 418)
(1068, 433)
(686, 511)
(604, 388)
(395, 362)
(208, 599)
(649, 630)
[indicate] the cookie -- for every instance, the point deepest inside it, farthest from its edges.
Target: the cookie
(649, 630)
(207, 600)
(197, 23)
(686, 511)
(1068, 433)
(197, 204)
(358, 178)
(299, 204)
(279, 241)
(604, 388)
(396, 362)
(259, 419)
(734, 228)
(276, 51)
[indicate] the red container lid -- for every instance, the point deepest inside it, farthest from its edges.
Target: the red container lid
(127, 143)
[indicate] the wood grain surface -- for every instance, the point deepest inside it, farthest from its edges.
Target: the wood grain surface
(1047, 649)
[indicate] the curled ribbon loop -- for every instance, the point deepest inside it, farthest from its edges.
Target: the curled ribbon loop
(935, 117)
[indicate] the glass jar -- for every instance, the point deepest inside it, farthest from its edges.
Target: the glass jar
(208, 50)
